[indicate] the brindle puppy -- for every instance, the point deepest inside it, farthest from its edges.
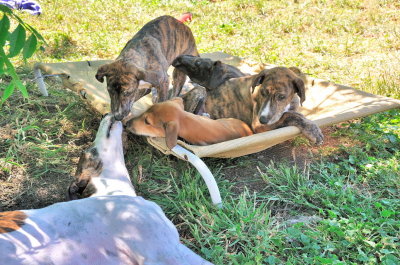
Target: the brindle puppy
(147, 57)
(211, 74)
(206, 72)
(264, 101)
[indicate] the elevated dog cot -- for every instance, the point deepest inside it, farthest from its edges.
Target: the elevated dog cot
(326, 104)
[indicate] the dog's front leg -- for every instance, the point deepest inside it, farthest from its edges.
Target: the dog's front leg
(307, 127)
(194, 100)
(162, 90)
(178, 80)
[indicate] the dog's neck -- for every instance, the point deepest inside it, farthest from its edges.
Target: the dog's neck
(114, 178)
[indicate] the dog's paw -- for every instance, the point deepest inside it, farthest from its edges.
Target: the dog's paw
(314, 134)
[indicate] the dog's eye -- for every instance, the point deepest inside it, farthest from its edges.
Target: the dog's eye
(146, 121)
(197, 63)
(281, 97)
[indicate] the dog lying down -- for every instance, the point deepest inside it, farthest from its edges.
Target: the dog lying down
(265, 101)
(168, 119)
(113, 226)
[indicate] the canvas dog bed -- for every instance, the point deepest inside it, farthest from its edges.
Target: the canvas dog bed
(326, 104)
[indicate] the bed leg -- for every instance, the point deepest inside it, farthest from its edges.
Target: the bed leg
(40, 81)
(204, 172)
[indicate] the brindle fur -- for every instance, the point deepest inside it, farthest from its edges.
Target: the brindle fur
(147, 57)
(246, 97)
(211, 74)
(89, 166)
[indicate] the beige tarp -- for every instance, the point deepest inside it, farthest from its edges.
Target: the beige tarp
(326, 104)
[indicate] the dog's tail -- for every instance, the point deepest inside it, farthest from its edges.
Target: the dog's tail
(186, 17)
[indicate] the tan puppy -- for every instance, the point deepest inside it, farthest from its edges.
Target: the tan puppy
(169, 120)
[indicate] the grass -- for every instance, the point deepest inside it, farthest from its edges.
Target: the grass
(341, 208)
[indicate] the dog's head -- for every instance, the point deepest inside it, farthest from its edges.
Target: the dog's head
(205, 72)
(273, 91)
(160, 120)
(122, 85)
(106, 152)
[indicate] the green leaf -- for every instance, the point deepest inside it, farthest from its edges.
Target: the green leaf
(387, 213)
(30, 46)
(29, 27)
(8, 92)
(17, 41)
(2, 64)
(13, 74)
(4, 27)
(21, 87)
(5, 9)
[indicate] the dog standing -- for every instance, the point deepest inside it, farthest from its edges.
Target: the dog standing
(265, 101)
(113, 226)
(168, 119)
(147, 57)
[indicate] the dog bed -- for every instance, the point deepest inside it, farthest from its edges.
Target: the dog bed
(326, 104)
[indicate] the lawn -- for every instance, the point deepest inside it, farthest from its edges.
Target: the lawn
(291, 204)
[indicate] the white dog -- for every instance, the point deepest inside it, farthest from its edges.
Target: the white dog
(113, 226)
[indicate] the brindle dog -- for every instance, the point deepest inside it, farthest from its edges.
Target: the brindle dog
(211, 74)
(147, 57)
(264, 101)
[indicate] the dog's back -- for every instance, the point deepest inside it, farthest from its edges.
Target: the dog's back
(175, 38)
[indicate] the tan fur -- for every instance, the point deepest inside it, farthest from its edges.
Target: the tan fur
(168, 119)
(11, 221)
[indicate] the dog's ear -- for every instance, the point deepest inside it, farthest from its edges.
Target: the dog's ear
(171, 134)
(139, 72)
(217, 63)
(151, 77)
(101, 72)
(258, 80)
(296, 70)
(300, 89)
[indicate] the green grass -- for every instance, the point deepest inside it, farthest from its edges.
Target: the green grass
(342, 208)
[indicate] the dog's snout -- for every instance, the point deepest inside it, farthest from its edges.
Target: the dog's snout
(177, 62)
(118, 116)
(263, 119)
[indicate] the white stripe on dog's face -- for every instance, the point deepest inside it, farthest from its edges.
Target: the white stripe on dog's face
(266, 110)
(287, 108)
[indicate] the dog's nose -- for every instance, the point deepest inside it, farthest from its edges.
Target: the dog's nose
(176, 62)
(263, 119)
(118, 117)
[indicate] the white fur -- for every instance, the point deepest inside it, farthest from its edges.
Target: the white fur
(114, 226)
(287, 108)
(266, 109)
